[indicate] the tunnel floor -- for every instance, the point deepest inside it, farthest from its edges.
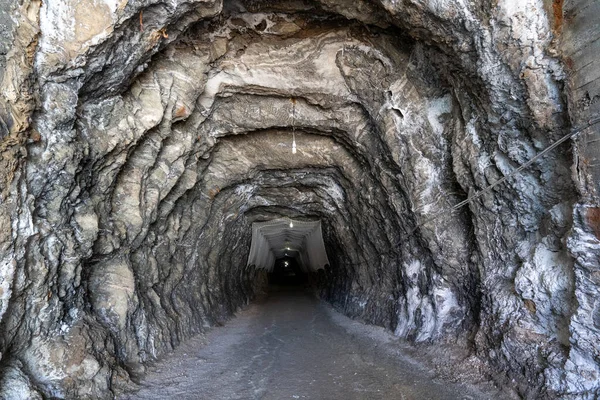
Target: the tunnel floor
(290, 345)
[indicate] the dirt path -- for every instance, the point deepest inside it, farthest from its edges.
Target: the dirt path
(294, 347)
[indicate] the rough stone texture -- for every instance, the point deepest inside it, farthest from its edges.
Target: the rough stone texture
(581, 46)
(162, 131)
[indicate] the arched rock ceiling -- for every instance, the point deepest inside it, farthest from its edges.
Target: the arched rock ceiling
(163, 131)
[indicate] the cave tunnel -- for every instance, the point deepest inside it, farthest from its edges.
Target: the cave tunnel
(422, 169)
(288, 250)
(287, 272)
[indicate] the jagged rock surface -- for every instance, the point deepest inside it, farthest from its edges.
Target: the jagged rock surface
(162, 130)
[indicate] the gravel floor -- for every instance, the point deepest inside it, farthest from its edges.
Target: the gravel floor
(291, 346)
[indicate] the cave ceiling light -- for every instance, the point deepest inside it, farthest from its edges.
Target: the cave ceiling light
(293, 100)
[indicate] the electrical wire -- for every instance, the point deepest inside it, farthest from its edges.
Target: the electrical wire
(452, 210)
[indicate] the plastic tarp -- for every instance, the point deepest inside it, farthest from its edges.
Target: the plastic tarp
(284, 237)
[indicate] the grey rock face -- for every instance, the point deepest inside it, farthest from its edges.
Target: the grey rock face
(146, 137)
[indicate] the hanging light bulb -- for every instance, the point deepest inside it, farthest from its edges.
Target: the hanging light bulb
(291, 224)
(293, 100)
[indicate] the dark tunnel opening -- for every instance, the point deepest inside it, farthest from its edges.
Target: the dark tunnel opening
(288, 273)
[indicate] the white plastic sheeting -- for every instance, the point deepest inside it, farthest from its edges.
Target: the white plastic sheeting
(284, 237)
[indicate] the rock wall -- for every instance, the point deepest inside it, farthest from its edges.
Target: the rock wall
(579, 36)
(146, 137)
(577, 25)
